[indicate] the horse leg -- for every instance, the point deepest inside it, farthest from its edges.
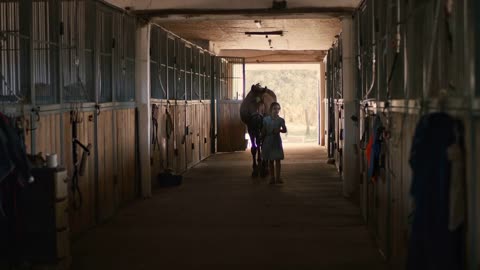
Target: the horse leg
(254, 151)
(260, 162)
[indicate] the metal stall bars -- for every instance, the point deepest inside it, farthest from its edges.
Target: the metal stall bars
(15, 51)
(107, 44)
(234, 77)
(45, 58)
(196, 91)
(76, 51)
(124, 58)
(189, 71)
(180, 93)
(158, 63)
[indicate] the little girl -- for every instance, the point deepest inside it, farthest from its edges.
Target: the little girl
(272, 149)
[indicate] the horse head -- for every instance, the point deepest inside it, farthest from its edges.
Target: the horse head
(261, 98)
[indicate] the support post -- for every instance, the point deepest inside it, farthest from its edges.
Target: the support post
(350, 151)
(142, 95)
(322, 105)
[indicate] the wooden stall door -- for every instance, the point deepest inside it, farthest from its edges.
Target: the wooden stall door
(197, 124)
(190, 131)
(106, 181)
(231, 130)
(207, 143)
(180, 137)
(159, 150)
(193, 136)
(201, 130)
(126, 186)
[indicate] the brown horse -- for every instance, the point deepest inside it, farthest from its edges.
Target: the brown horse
(254, 107)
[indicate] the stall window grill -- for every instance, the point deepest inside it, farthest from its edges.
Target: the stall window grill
(216, 77)
(45, 58)
(90, 27)
(233, 77)
(382, 44)
(395, 63)
(201, 74)
(196, 95)
(124, 58)
(158, 63)
(14, 51)
(76, 50)
(54, 49)
(188, 69)
(171, 68)
(416, 56)
(106, 40)
(180, 70)
(129, 60)
(208, 77)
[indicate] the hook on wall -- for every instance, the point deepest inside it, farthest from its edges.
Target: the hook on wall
(97, 108)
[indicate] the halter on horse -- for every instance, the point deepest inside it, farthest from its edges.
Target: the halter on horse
(254, 107)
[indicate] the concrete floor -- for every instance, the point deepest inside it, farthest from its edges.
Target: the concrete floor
(222, 219)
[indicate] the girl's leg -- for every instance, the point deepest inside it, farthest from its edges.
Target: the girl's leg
(278, 168)
(272, 171)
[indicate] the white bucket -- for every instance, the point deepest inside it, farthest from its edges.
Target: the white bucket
(52, 161)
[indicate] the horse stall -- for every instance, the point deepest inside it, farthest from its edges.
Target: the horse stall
(181, 102)
(392, 97)
(231, 92)
(69, 90)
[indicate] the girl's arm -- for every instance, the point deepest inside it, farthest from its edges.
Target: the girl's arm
(283, 127)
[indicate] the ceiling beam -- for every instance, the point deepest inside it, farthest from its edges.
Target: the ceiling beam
(193, 13)
(282, 56)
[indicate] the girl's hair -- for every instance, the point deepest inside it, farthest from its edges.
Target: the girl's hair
(273, 105)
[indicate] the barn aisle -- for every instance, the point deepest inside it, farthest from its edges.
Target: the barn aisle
(221, 219)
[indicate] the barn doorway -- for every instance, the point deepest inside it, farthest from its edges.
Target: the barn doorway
(297, 89)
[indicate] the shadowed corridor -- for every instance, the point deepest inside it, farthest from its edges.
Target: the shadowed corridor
(222, 219)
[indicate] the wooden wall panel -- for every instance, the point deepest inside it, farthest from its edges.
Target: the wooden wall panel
(231, 130)
(190, 136)
(201, 130)
(197, 124)
(171, 140)
(126, 156)
(180, 152)
(106, 180)
(85, 217)
(159, 151)
(48, 135)
(131, 190)
(208, 134)
(196, 116)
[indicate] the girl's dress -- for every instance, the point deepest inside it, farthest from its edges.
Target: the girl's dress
(272, 148)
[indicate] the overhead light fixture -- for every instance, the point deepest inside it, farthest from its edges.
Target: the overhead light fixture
(258, 23)
(266, 34)
(279, 4)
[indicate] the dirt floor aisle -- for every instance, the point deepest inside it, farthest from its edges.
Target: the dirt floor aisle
(222, 219)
